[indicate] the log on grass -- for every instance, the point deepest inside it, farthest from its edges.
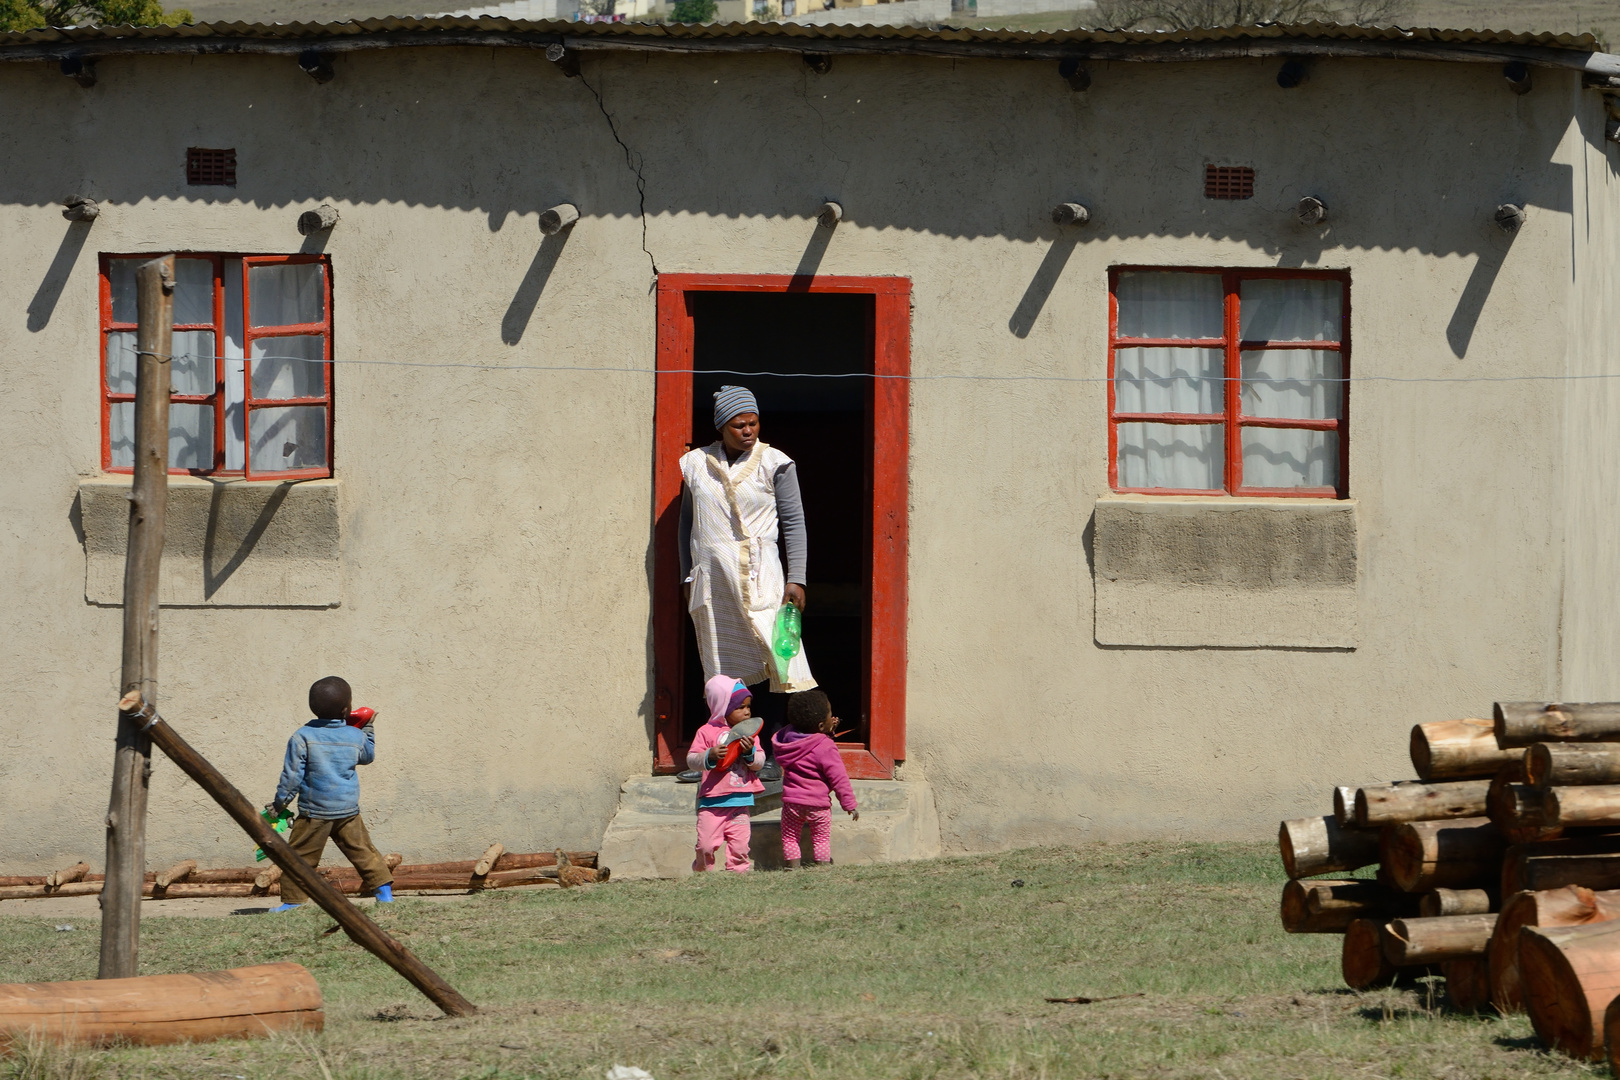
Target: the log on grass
(1393, 804)
(153, 1010)
(1439, 902)
(1314, 846)
(1571, 905)
(1410, 942)
(1595, 805)
(1326, 906)
(39, 892)
(1362, 960)
(1424, 855)
(1468, 983)
(1572, 764)
(509, 861)
(1569, 975)
(1457, 750)
(1522, 723)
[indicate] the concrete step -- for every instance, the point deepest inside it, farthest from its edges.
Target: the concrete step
(655, 830)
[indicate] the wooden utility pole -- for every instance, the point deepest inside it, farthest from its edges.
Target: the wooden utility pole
(148, 501)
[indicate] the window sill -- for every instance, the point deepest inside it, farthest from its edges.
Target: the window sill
(1188, 571)
(227, 542)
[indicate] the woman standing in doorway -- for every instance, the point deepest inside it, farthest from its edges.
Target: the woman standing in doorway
(739, 495)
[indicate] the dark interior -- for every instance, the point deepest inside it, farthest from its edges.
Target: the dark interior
(821, 423)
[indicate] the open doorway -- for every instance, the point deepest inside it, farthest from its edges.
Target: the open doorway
(820, 420)
(849, 437)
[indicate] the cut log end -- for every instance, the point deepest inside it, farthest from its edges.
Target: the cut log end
(1457, 750)
(1566, 987)
(1315, 846)
(1468, 984)
(488, 859)
(1362, 960)
(1424, 855)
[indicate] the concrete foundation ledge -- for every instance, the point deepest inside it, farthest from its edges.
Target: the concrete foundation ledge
(654, 833)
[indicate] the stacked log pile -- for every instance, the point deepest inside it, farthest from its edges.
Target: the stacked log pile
(1498, 868)
(497, 868)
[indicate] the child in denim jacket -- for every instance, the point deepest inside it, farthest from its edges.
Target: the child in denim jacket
(320, 771)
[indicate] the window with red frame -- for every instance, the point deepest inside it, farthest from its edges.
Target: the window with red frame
(251, 373)
(1228, 381)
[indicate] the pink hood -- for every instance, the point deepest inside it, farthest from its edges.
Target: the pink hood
(742, 776)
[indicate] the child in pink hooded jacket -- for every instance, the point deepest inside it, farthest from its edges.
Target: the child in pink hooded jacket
(812, 769)
(726, 796)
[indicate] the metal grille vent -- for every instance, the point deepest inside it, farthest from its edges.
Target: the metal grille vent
(211, 167)
(1228, 182)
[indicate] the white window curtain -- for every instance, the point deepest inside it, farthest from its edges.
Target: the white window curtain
(1291, 384)
(191, 371)
(235, 388)
(1170, 379)
(1185, 456)
(287, 437)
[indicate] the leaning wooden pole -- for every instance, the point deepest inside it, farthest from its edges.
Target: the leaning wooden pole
(361, 930)
(148, 501)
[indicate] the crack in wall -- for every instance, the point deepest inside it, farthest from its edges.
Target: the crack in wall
(634, 162)
(804, 91)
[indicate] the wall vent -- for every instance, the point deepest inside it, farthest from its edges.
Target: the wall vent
(210, 167)
(1228, 182)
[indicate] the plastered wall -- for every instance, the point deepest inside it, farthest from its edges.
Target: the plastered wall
(1590, 641)
(495, 520)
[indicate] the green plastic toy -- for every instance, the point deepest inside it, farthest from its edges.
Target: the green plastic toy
(282, 825)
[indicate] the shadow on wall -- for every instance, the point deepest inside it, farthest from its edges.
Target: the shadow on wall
(216, 572)
(521, 309)
(43, 305)
(1042, 284)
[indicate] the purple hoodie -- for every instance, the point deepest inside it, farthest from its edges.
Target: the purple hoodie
(811, 766)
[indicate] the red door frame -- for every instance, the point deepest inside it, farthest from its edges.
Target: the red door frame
(888, 450)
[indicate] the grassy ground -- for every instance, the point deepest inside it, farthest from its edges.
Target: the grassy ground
(925, 970)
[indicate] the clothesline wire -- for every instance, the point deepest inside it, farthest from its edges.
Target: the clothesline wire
(948, 377)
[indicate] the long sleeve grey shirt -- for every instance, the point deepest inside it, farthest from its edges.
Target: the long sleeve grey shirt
(789, 518)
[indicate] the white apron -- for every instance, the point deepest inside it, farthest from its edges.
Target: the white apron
(737, 580)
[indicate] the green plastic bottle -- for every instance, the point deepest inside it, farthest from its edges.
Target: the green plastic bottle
(785, 640)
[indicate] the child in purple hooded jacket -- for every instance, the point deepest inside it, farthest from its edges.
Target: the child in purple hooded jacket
(811, 770)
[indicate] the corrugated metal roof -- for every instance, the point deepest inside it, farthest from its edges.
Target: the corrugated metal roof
(765, 32)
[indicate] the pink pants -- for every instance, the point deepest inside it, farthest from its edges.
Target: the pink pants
(727, 827)
(794, 819)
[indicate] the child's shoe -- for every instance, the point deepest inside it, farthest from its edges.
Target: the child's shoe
(285, 907)
(385, 893)
(791, 864)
